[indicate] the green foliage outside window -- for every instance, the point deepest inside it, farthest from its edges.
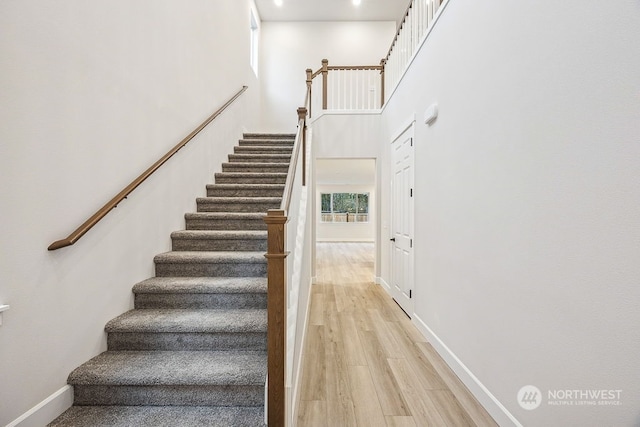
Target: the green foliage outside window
(344, 207)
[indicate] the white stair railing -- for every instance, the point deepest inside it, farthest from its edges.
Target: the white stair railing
(418, 18)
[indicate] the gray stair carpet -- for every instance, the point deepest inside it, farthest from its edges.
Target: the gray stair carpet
(192, 352)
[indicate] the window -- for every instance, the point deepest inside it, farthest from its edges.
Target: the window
(344, 207)
(254, 43)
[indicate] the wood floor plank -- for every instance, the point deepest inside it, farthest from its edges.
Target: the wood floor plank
(422, 408)
(313, 414)
(417, 360)
(316, 316)
(387, 387)
(365, 400)
(449, 409)
(393, 421)
(353, 351)
(314, 378)
(476, 412)
(341, 297)
(386, 337)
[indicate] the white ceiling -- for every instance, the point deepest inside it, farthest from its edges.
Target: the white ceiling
(345, 171)
(332, 10)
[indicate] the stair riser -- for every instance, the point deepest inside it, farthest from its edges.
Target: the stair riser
(187, 341)
(285, 136)
(225, 224)
(236, 207)
(244, 192)
(219, 245)
(257, 149)
(211, 270)
(225, 179)
(256, 158)
(169, 395)
(200, 301)
(241, 167)
(264, 142)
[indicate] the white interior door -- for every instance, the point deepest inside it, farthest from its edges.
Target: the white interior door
(402, 221)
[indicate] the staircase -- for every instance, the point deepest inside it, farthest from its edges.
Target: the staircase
(193, 350)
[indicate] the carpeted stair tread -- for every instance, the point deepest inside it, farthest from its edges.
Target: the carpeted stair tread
(195, 257)
(250, 177)
(190, 321)
(225, 221)
(256, 199)
(201, 285)
(254, 135)
(160, 416)
(226, 215)
(246, 190)
(263, 149)
(260, 158)
(237, 204)
(172, 368)
(247, 186)
(265, 141)
(255, 167)
(220, 234)
(199, 263)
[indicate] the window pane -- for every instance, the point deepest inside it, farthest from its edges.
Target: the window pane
(363, 203)
(325, 202)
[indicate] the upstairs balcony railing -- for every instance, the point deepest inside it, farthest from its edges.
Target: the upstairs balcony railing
(368, 87)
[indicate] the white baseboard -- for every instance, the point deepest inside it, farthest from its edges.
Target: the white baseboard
(344, 239)
(380, 281)
(493, 406)
(47, 410)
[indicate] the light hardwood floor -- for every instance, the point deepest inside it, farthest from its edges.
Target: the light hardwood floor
(364, 363)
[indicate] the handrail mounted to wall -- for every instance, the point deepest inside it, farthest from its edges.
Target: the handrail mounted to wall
(113, 203)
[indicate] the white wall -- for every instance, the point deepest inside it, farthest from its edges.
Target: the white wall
(527, 198)
(343, 231)
(289, 48)
(92, 94)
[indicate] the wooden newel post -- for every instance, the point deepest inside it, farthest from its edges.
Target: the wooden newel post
(276, 315)
(325, 72)
(309, 82)
(383, 62)
(302, 115)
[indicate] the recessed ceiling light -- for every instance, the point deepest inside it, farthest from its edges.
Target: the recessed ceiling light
(357, 2)
(278, 2)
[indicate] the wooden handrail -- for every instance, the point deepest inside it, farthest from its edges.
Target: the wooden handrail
(95, 218)
(291, 174)
(355, 67)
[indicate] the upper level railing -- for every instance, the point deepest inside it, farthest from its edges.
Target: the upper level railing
(368, 87)
(414, 26)
(113, 203)
(345, 87)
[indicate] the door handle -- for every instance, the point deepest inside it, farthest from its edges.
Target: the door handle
(393, 239)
